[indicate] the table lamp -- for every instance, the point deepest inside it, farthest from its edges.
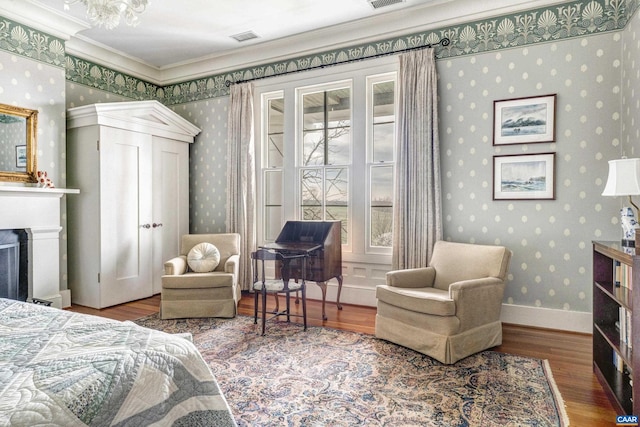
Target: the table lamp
(624, 180)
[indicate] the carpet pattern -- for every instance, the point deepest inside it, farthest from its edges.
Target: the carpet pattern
(327, 377)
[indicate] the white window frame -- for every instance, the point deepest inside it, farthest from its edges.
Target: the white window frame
(371, 165)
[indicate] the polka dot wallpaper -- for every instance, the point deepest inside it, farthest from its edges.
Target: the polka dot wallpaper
(36, 85)
(208, 164)
(550, 239)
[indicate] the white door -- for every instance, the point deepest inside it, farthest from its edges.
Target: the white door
(170, 202)
(126, 232)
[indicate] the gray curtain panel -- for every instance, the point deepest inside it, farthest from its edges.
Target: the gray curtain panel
(417, 206)
(241, 180)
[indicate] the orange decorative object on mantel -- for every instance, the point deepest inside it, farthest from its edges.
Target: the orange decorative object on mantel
(44, 181)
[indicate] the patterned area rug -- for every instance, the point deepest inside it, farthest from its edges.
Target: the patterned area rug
(325, 377)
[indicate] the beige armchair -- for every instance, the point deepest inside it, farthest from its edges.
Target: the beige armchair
(212, 294)
(450, 309)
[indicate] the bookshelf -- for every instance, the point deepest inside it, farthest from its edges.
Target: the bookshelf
(616, 273)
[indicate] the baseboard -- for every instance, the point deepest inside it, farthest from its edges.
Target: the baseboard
(573, 321)
(66, 298)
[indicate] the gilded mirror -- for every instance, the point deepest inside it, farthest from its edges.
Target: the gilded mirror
(18, 147)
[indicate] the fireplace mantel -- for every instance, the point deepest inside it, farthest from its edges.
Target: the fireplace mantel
(37, 210)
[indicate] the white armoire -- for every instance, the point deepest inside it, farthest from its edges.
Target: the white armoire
(130, 161)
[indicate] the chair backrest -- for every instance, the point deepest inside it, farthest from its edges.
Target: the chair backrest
(227, 243)
(454, 262)
(259, 257)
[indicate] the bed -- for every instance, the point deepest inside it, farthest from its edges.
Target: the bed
(71, 369)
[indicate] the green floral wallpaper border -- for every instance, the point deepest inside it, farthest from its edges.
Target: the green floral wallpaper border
(572, 19)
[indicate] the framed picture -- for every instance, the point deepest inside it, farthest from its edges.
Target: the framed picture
(524, 177)
(524, 120)
(21, 156)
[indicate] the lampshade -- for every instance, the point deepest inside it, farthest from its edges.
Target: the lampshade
(624, 178)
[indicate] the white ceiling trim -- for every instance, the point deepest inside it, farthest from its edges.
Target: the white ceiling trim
(433, 15)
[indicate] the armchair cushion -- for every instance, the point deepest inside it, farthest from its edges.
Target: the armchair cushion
(203, 257)
(421, 300)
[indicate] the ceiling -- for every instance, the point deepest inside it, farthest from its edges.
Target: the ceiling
(188, 38)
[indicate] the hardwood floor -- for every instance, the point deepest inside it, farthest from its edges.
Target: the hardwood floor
(569, 354)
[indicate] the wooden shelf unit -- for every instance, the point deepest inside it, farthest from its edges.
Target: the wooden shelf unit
(608, 297)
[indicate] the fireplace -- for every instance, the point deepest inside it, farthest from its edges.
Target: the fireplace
(36, 213)
(14, 264)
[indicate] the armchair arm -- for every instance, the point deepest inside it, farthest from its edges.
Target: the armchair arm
(176, 266)
(233, 266)
(478, 301)
(412, 278)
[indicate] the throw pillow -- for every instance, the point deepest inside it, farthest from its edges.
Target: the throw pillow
(203, 257)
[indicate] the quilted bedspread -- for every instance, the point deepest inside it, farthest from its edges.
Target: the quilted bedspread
(70, 369)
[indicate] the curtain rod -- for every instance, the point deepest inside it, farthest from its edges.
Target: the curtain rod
(443, 42)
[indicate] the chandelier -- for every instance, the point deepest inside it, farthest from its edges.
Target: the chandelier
(108, 13)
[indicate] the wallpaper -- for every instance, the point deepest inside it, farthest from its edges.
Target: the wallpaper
(28, 83)
(550, 239)
(575, 50)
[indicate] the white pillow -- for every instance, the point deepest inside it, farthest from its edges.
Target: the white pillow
(203, 257)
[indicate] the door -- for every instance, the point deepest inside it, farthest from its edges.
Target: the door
(170, 202)
(126, 231)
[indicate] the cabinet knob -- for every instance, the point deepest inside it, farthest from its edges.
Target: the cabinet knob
(157, 225)
(146, 226)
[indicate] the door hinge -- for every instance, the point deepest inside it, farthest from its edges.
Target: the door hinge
(98, 145)
(98, 277)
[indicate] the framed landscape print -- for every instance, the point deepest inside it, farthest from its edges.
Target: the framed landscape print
(524, 177)
(524, 120)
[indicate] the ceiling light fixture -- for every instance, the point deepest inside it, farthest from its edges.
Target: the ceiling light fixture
(108, 13)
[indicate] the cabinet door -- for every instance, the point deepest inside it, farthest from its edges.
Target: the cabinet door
(126, 233)
(170, 202)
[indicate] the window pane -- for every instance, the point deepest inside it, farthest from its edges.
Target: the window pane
(276, 115)
(274, 150)
(313, 148)
(381, 219)
(313, 111)
(339, 146)
(339, 107)
(383, 121)
(337, 197)
(311, 187)
(383, 137)
(273, 204)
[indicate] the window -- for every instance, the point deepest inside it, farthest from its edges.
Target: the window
(272, 163)
(381, 115)
(329, 155)
(325, 154)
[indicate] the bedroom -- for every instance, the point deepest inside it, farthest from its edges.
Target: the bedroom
(592, 75)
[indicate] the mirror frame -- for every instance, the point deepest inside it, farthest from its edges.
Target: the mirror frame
(31, 117)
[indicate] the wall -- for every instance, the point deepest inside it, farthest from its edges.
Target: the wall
(40, 85)
(583, 51)
(550, 239)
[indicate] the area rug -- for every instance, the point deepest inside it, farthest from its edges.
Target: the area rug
(327, 377)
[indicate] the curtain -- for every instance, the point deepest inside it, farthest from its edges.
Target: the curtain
(417, 204)
(241, 181)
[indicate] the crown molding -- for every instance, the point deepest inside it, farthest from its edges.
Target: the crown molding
(51, 21)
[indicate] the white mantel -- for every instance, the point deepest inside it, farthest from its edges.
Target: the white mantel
(37, 210)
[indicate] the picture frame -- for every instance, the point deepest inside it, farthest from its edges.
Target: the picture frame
(524, 120)
(524, 177)
(21, 156)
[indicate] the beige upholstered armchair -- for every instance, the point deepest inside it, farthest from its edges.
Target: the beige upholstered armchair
(450, 309)
(203, 280)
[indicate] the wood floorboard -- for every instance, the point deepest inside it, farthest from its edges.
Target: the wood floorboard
(569, 354)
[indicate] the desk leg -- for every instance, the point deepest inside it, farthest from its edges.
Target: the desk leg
(323, 287)
(339, 291)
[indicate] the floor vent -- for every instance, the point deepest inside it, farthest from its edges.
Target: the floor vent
(377, 4)
(243, 37)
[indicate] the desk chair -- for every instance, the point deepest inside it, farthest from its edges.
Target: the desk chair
(266, 261)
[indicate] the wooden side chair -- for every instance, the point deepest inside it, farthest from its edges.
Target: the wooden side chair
(271, 276)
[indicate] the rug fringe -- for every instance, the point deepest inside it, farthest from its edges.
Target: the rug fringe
(564, 418)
